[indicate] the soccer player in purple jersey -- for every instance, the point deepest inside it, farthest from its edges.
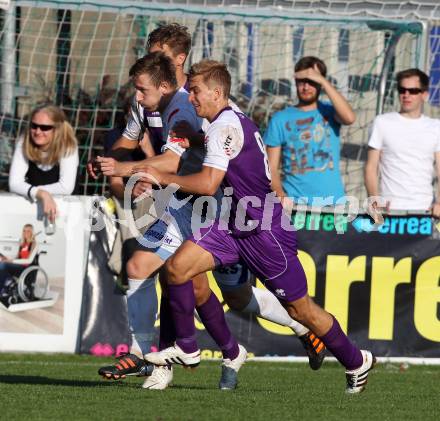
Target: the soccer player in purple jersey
(174, 41)
(255, 232)
(156, 89)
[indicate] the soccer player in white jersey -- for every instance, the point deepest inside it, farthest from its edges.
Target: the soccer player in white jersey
(174, 41)
(255, 231)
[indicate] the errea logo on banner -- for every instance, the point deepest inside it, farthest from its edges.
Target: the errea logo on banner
(409, 225)
(320, 222)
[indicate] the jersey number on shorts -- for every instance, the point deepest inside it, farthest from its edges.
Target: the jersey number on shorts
(263, 150)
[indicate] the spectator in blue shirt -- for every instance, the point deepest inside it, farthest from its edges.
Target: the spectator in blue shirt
(305, 140)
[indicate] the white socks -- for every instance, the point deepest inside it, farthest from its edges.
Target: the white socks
(142, 311)
(264, 304)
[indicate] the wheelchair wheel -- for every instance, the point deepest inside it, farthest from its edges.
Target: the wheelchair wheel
(32, 284)
(12, 300)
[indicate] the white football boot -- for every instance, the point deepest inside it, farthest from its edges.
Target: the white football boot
(357, 379)
(174, 355)
(160, 378)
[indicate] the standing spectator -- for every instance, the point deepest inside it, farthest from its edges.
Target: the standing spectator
(402, 149)
(305, 139)
(46, 161)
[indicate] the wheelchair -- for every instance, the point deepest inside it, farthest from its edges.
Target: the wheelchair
(31, 285)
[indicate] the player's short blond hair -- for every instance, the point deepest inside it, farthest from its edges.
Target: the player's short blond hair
(213, 73)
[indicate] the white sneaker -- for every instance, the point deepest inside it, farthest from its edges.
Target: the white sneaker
(160, 379)
(174, 355)
(229, 378)
(357, 379)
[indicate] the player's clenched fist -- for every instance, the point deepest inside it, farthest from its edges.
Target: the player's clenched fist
(93, 169)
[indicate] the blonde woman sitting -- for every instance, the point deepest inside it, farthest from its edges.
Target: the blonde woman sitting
(14, 267)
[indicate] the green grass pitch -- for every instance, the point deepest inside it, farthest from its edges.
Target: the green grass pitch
(54, 387)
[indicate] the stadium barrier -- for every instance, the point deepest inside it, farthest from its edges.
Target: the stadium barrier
(381, 283)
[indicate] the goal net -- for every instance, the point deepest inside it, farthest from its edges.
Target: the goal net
(77, 54)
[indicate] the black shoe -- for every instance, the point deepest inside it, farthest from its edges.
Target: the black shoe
(315, 349)
(127, 365)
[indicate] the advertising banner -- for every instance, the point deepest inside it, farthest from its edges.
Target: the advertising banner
(382, 284)
(40, 296)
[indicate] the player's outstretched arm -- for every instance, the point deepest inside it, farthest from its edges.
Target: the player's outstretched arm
(167, 162)
(206, 182)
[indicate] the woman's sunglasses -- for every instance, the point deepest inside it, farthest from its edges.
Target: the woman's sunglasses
(42, 127)
(411, 91)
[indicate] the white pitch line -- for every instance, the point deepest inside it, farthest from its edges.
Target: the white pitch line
(6, 362)
(391, 369)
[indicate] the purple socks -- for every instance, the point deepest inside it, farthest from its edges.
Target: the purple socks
(341, 347)
(182, 303)
(213, 317)
(177, 321)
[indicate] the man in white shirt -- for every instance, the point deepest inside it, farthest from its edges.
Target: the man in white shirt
(403, 148)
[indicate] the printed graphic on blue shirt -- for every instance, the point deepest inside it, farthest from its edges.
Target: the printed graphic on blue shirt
(310, 149)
